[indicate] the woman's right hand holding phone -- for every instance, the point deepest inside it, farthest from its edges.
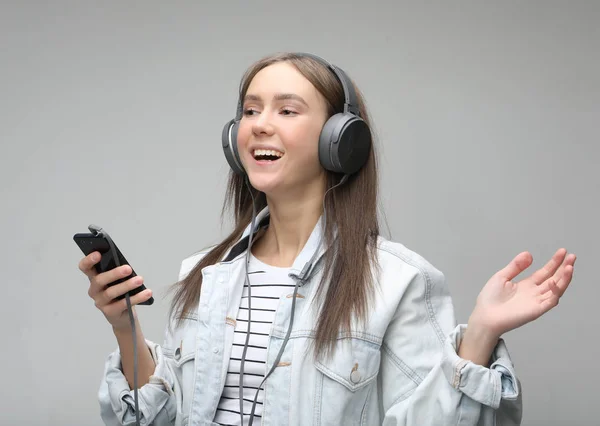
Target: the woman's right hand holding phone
(104, 295)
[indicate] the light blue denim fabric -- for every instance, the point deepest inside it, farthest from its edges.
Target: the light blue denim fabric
(399, 368)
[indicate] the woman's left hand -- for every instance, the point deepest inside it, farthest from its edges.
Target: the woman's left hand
(504, 305)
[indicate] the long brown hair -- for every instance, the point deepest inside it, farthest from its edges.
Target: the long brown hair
(348, 268)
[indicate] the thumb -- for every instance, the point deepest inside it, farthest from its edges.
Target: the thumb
(521, 262)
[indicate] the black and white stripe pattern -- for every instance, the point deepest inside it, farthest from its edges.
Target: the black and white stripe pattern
(268, 285)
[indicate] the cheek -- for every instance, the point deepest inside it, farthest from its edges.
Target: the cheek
(243, 135)
(303, 139)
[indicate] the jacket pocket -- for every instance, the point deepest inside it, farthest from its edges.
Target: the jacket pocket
(346, 382)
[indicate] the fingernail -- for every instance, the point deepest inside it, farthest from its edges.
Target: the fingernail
(95, 257)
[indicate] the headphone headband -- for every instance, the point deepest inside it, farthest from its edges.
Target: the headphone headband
(350, 98)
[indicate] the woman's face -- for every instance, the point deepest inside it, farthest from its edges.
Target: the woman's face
(279, 132)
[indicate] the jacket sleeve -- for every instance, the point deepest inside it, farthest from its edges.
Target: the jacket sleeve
(424, 380)
(160, 400)
(156, 399)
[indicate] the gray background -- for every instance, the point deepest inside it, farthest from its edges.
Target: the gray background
(111, 113)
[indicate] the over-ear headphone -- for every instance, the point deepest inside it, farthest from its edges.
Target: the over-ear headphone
(345, 140)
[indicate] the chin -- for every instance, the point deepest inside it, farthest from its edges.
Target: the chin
(262, 183)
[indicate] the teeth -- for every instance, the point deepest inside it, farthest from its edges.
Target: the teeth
(274, 153)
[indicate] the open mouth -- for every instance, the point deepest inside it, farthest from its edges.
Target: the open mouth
(266, 155)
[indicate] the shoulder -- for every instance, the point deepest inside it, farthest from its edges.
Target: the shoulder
(395, 259)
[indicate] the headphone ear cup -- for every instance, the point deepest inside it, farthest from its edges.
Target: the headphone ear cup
(230, 149)
(344, 144)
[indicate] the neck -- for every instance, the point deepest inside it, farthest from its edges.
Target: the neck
(292, 221)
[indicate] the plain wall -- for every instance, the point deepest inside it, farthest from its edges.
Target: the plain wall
(111, 113)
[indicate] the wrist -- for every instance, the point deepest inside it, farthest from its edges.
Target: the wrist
(484, 336)
(484, 327)
(478, 343)
(122, 329)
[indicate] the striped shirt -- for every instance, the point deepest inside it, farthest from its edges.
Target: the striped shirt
(268, 283)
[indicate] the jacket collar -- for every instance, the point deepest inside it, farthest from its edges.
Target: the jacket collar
(305, 265)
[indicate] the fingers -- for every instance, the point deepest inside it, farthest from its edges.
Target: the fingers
(113, 275)
(550, 268)
(565, 279)
(115, 291)
(521, 262)
(552, 289)
(108, 295)
(116, 308)
(569, 261)
(99, 282)
(86, 265)
(563, 276)
(548, 289)
(551, 295)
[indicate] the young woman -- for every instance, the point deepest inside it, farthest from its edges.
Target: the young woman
(347, 327)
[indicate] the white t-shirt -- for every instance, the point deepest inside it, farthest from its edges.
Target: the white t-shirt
(268, 283)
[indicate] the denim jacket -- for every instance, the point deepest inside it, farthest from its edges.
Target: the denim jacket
(400, 367)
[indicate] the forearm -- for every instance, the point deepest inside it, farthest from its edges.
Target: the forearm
(146, 365)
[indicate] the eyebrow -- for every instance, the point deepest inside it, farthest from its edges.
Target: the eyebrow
(278, 97)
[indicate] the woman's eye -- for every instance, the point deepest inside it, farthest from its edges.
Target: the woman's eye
(249, 111)
(287, 111)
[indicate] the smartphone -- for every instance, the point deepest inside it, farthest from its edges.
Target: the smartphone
(89, 243)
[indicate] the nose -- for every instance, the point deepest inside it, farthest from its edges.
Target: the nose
(262, 124)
